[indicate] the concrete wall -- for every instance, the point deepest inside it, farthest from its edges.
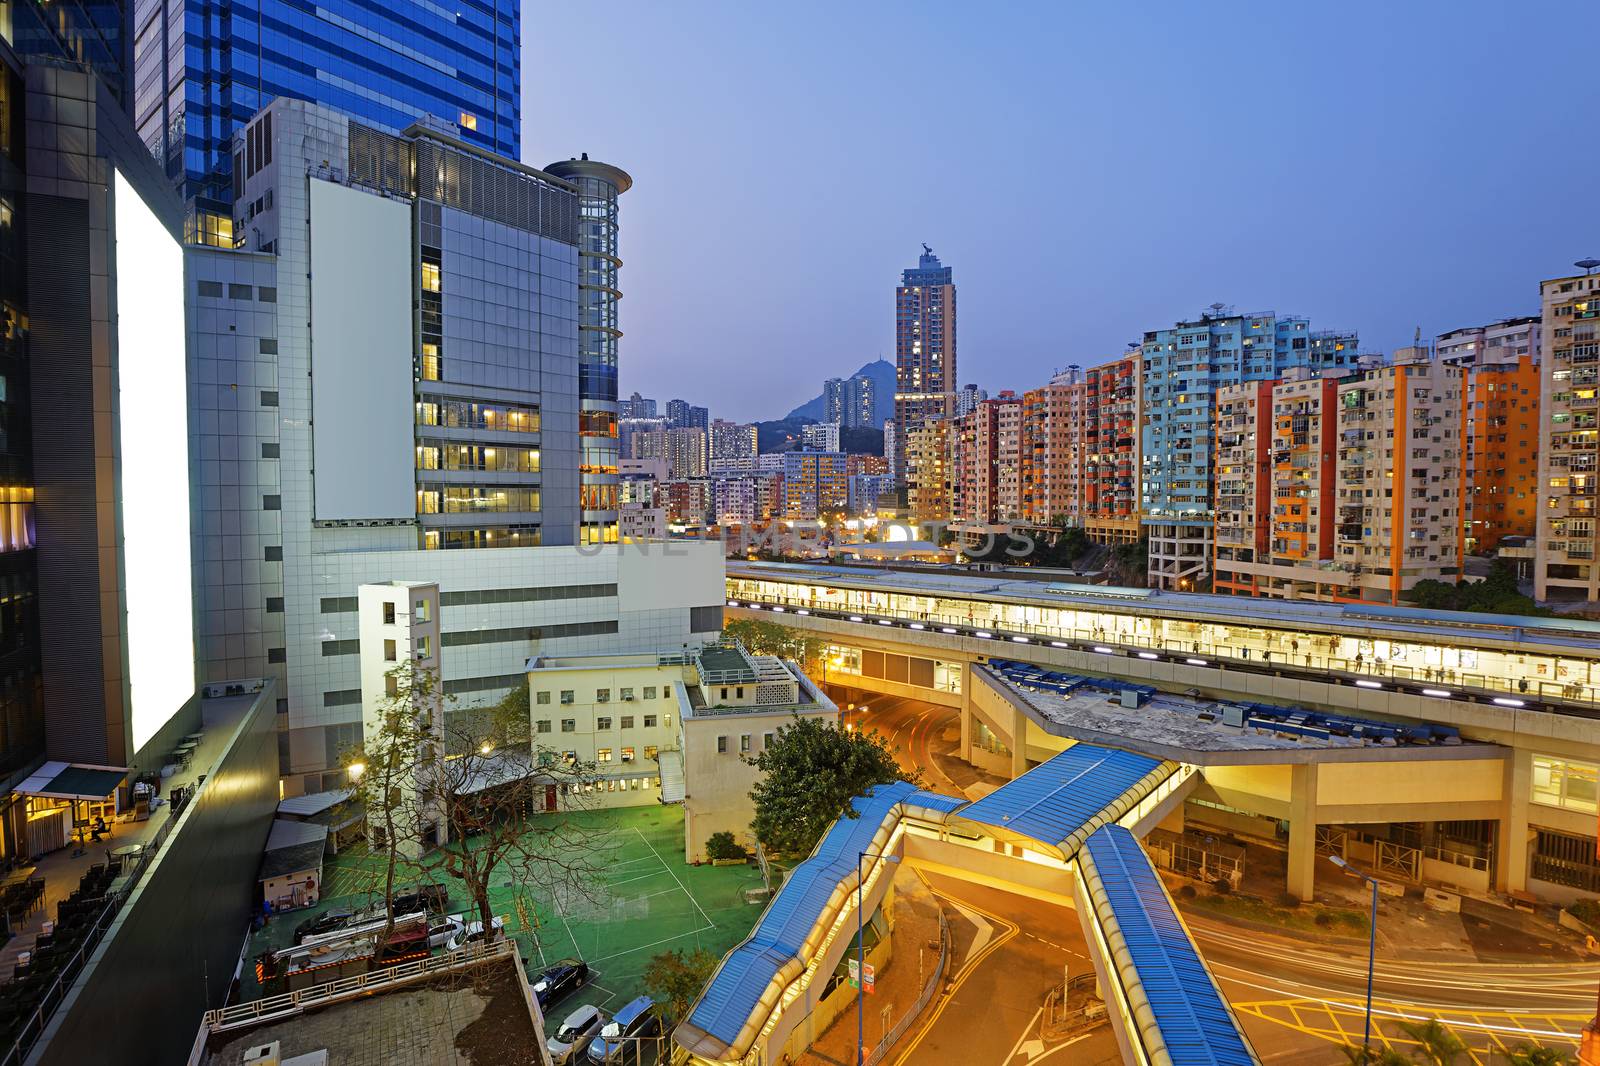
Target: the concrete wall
(172, 951)
(719, 783)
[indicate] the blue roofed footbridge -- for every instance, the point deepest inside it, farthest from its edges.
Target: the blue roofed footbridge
(1067, 830)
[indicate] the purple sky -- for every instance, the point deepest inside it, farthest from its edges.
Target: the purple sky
(1088, 173)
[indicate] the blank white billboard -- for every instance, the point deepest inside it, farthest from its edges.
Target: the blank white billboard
(362, 408)
(153, 453)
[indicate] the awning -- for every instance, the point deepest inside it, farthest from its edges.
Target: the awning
(73, 781)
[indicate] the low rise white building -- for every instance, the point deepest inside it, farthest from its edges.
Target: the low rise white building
(670, 728)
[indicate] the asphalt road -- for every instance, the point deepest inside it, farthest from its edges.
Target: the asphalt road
(1009, 951)
(914, 730)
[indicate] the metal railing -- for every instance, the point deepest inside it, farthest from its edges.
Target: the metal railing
(899, 1028)
(1456, 858)
(32, 1029)
(287, 1003)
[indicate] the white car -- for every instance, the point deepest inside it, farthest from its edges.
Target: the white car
(472, 932)
(580, 1026)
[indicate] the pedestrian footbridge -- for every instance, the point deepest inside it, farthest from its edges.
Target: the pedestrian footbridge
(1066, 831)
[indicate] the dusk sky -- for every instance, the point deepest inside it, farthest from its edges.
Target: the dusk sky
(1089, 173)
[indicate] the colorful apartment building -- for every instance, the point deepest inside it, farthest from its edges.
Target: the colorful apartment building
(1276, 487)
(1402, 477)
(1184, 367)
(1502, 362)
(814, 484)
(1109, 510)
(926, 455)
(1569, 440)
(986, 460)
(1050, 481)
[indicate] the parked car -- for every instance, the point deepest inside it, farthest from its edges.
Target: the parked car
(471, 932)
(430, 897)
(581, 1025)
(619, 1042)
(559, 981)
(330, 922)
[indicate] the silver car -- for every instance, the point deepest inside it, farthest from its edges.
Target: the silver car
(574, 1033)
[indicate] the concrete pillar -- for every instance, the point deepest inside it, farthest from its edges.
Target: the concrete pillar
(1019, 743)
(1511, 850)
(1303, 831)
(967, 681)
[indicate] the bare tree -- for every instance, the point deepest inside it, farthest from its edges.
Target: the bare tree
(477, 800)
(384, 769)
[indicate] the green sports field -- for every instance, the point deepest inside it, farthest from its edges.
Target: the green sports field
(645, 900)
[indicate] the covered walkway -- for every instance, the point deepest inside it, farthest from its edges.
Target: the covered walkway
(758, 1005)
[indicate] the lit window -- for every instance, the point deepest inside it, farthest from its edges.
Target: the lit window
(469, 121)
(603, 755)
(1560, 783)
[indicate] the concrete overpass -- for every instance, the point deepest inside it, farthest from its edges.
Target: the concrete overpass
(1518, 699)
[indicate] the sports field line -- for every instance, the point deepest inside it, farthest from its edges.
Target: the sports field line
(631, 880)
(654, 943)
(681, 885)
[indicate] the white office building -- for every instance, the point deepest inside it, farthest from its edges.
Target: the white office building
(397, 400)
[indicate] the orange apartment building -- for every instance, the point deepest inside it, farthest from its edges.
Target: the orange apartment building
(1109, 511)
(1502, 362)
(1346, 487)
(1053, 423)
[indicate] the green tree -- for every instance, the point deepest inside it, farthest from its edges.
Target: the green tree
(1526, 1055)
(761, 637)
(1497, 593)
(675, 980)
(809, 774)
(1437, 1045)
(1370, 1056)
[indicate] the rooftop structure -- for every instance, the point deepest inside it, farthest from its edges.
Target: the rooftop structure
(472, 1006)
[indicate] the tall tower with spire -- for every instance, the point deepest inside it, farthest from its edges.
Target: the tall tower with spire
(924, 344)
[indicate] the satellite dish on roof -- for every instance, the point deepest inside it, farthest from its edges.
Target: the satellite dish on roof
(1588, 265)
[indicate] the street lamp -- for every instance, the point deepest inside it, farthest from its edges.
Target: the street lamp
(1372, 940)
(861, 957)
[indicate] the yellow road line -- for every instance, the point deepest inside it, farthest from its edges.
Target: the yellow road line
(967, 966)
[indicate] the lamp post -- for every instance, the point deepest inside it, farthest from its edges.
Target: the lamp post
(1372, 941)
(861, 957)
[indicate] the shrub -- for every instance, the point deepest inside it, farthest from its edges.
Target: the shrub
(1288, 899)
(723, 846)
(1222, 886)
(1323, 919)
(1187, 892)
(1586, 911)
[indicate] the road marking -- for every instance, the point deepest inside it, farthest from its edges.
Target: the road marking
(961, 975)
(1026, 1029)
(985, 929)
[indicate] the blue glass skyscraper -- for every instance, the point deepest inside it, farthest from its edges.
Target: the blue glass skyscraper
(202, 68)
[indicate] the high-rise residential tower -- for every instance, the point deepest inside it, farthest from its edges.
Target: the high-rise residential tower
(599, 185)
(849, 402)
(924, 344)
(1569, 430)
(1184, 366)
(202, 71)
(1501, 361)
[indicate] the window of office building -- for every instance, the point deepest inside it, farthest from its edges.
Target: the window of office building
(602, 723)
(569, 725)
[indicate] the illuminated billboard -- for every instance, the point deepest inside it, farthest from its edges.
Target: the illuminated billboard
(153, 467)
